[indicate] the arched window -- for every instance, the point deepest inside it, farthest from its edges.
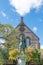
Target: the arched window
(27, 42)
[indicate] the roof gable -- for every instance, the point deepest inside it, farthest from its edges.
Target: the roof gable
(23, 26)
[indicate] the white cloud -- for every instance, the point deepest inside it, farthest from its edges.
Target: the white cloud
(41, 46)
(3, 14)
(35, 29)
(24, 6)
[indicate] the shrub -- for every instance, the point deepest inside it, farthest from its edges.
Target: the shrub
(32, 54)
(13, 54)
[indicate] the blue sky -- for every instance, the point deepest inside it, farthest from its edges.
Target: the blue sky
(33, 18)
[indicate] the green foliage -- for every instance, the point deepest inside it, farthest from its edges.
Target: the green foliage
(11, 42)
(32, 55)
(3, 51)
(41, 61)
(1, 28)
(9, 34)
(6, 29)
(13, 54)
(9, 28)
(1, 57)
(36, 55)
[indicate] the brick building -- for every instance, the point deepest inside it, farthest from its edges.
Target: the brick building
(31, 38)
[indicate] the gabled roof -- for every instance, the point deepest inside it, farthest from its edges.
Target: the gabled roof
(22, 24)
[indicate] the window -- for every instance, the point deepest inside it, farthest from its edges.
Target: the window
(27, 42)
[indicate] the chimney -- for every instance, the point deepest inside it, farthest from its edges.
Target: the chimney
(22, 25)
(21, 19)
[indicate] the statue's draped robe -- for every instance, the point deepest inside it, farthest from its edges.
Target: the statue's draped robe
(23, 41)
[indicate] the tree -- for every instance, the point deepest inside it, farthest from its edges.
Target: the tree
(2, 55)
(8, 28)
(1, 59)
(8, 33)
(5, 29)
(41, 57)
(13, 54)
(11, 41)
(32, 55)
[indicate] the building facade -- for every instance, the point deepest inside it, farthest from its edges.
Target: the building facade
(31, 39)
